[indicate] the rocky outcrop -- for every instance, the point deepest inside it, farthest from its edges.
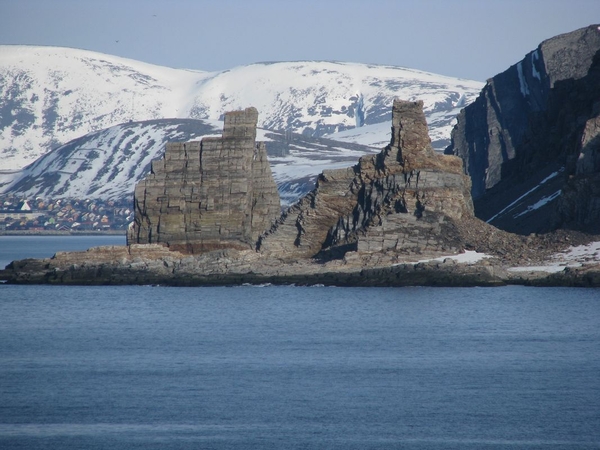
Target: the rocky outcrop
(398, 218)
(155, 264)
(218, 193)
(213, 194)
(530, 140)
(401, 200)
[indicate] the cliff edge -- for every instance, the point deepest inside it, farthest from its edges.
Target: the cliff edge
(531, 140)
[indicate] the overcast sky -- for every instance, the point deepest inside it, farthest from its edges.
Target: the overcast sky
(472, 39)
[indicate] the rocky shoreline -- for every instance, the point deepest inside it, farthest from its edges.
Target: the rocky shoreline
(492, 258)
(208, 215)
(433, 273)
(180, 272)
(154, 264)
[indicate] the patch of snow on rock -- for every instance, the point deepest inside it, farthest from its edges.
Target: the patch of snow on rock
(545, 180)
(573, 257)
(522, 83)
(468, 257)
(583, 254)
(541, 202)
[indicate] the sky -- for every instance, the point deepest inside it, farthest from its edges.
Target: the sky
(472, 39)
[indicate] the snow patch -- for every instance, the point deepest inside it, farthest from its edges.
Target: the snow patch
(535, 56)
(510, 206)
(468, 257)
(377, 135)
(541, 202)
(580, 254)
(572, 257)
(522, 82)
(548, 269)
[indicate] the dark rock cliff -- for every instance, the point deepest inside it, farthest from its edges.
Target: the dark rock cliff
(530, 142)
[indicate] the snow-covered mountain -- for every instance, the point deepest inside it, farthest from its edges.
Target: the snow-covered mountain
(50, 96)
(107, 164)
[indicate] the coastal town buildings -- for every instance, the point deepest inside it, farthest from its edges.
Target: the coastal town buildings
(65, 215)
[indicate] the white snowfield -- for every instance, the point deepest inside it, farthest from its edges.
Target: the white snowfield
(52, 95)
(107, 164)
(377, 135)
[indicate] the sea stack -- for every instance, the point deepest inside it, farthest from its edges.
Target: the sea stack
(213, 194)
(400, 200)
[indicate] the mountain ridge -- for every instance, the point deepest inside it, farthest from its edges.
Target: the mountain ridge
(52, 95)
(108, 163)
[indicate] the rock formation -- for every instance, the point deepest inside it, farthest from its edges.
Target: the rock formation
(394, 219)
(401, 200)
(532, 135)
(213, 194)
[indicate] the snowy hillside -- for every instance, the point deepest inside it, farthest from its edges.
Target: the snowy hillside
(107, 164)
(50, 96)
(103, 164)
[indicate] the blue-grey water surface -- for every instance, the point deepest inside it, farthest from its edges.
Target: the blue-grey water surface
(140, 367)
(21, 247)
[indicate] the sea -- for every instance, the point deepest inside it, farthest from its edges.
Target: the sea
(290, 367)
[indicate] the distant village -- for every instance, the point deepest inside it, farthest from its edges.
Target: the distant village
(37, 215)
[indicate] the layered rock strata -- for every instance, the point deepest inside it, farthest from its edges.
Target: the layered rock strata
(155, 264)
(530, 140)
(213, 194)
(391, 220)
(401, 200)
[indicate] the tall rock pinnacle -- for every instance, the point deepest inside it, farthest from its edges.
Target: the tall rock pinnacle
(213, 194)
(401, 200)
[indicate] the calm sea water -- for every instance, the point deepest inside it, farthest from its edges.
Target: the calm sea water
(21, 247)
(299, 368)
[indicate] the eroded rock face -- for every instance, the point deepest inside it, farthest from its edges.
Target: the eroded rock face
(391, 220)
(402, 200)
(213, 194)
(538, 118)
